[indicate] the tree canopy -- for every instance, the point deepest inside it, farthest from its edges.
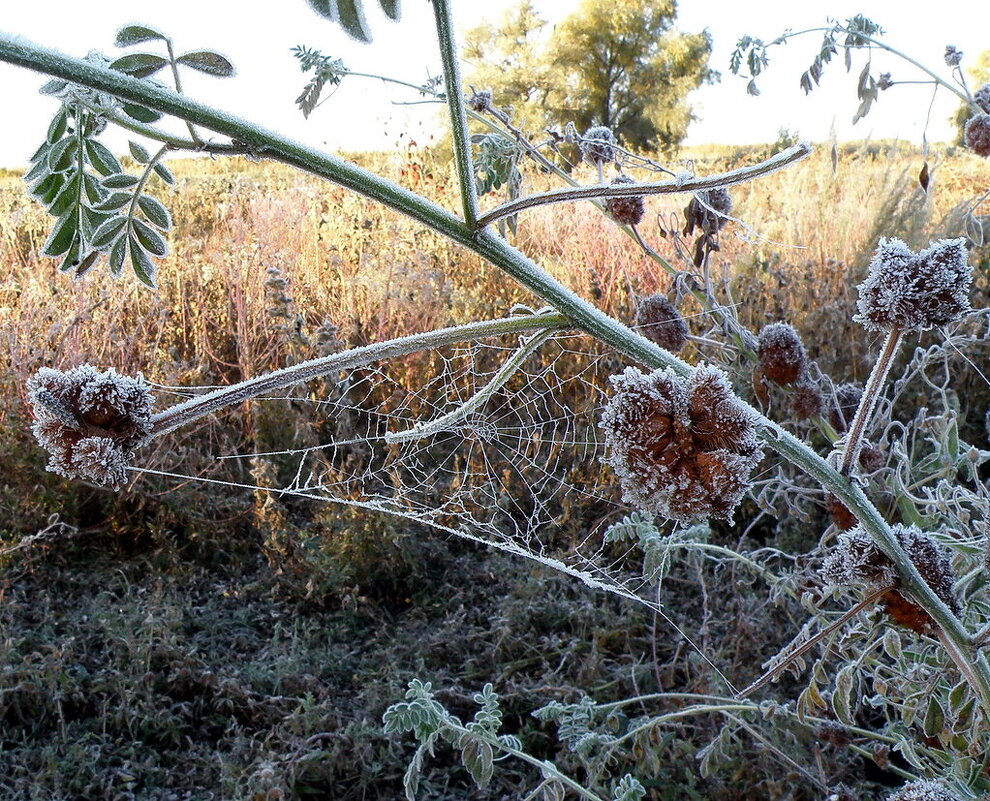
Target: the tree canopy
(619, 64)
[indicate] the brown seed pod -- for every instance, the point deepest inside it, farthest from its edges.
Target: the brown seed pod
(660, 322)
(806, 401)
(626, 210)
(707, 210)
(781, 353)
(915, 291)
(682, 448)
(598, 145)
(976, 134)
(923, 790)
(90, 422)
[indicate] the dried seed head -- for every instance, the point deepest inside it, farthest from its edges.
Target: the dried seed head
(923, 790)
(982, 97)
(839, 512)
(976, 134)
(832, 733)
(845, 401)
(953, 57)
(781, 353)
(598, 145)
(708, 210)
(915, 291)
(480, 101)
(806, 401)
(682, 448)
(660, 322)
(884, 82)
(90, 422)
(871, 458)
(626, 210)
(855, 559)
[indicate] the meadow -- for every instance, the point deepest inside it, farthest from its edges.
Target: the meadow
(183, 639)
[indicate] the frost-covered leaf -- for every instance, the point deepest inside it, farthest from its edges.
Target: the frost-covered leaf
(139, 65)
(155, 211)
(349, 14)
(144, 267)
(135, 34)
(207, 61)
(139, 153)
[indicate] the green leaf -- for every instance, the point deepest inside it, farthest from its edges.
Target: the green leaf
(841, 695)
(91, 220)
(115, 261)
(347, 13)
(144, 268)
(107, 234)
(140, 113)
(113, 202)
(60, 239)
(37, 171)
(138, 153)
(164, 173)
(120, 180)
(71, 260)
(46, 190)
(135, 34)
(934, 718)
(139, 65)
(102, 159)
(155, 211)
(95, 193)
(61, 156)
(207, 61)
(67, 198)
(149, 238)
(58, 125)
(391, 8)
(476, 756)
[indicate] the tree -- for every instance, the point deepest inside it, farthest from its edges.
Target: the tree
(618, 64)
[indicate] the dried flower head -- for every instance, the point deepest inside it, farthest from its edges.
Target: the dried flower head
(976, 134)
(660, 322)
(953, 57)
(90, 422)
(781, 353)
(806, 401)
(682, 448)
(915, 291)
(982, 97)
(923, 790)
(480, 100)
(598, 145)
(626, 210)
(708, 210)
(833, 733)
(839, 512)
(845, 401)
(871, 458)
(884, 82)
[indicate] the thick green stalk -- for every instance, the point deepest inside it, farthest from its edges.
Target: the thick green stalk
(267, 143)
(455, 103)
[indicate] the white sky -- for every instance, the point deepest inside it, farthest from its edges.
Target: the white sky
(361, 116)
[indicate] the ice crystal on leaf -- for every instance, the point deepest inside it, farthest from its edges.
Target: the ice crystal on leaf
(781, 353)
(682, 448)
(923, 790)
(915, 291)
(90, 422)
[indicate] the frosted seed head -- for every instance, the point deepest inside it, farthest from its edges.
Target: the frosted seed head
(845, 401)
(953, 57)
(976, 134)
(660, 322)
(781, 353)
(598, 145)
(884, 82)
(871, 458)
(682, 448)
(626, 210)
(707, 210)
(481, 100)
(855, 559)
(915, 291)
(923, 790)
(90, 422)
(931, 560)
(806, 401)
(982, 97)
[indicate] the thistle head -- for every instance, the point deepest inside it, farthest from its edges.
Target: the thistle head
(923, 790)
(915, 291)
(660, 322)
(682, 448)
(976, 134)
(781, 353)
(627, 210)
(806, 401)
(953, 57)
(598, 145)
(982, 97)
(90, 422)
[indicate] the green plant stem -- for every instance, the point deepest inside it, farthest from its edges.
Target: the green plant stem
(455, 103)
(742, 175)
(15, 50)
(202, 405)
(871, 394)
(178, 86)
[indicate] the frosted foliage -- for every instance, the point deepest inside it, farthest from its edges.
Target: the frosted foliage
(681, 448)
(90, 422)
(915, 291)
(923, 790)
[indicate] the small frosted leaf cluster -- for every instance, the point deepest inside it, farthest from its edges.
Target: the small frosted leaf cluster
(976, 134)
(682, 448)
(915, 291)
(626, 210)
(923, 790)
(708, 210)
(660, 322)
(598, 145)
(90, 422)
(781, 353)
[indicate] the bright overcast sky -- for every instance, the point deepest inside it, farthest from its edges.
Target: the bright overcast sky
(361, 114)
